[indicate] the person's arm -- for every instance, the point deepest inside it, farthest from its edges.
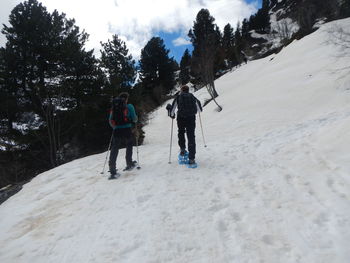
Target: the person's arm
(173, 108)
(132, 112)
(110, 120)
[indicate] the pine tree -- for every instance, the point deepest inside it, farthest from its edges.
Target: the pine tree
(49, 71)
(176, 65)
(219, 62)
(345, 8)
(5, 120)
(265, 4)
(228, 42)
(259, 21)
(239, 43)
(118, 63)
(245, 28)
(205, 41)
(156, 69)
(185, 65)
(228, 38)
(8, 90)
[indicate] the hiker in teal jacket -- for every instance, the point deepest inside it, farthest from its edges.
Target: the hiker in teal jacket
(122, 123)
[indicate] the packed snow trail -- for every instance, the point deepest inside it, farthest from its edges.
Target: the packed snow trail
(272, 186)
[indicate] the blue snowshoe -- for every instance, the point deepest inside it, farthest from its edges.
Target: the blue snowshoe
(192, 164)
(183, 157)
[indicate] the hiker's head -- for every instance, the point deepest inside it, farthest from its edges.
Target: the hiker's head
(124, 96)
(185, 89)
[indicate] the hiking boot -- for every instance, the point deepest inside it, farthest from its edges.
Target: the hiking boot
(192, 164)
(114, 175)
(130, 166)
(191, 161)
(183, 152)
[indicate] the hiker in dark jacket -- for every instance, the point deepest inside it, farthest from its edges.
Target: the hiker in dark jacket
(188, 106)
(122, 132)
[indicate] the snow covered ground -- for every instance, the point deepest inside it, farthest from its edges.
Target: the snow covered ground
(273, 185)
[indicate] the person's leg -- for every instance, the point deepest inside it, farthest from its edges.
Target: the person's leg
(113, 154)
(181, 133)
(190, 130)
(129, 146)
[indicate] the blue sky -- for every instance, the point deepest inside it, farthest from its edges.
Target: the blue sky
(259, 2)
(137, 21)
(175, 51)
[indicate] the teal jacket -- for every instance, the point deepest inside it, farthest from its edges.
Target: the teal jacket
(131, 116)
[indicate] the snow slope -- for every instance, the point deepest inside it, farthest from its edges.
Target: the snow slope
(273, 185)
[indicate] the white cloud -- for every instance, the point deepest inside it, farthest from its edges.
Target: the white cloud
(180, 41)
(136, 21)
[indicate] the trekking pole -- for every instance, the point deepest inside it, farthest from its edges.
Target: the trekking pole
(171, 139)
(137, 150)
(109, 147)
(200, 120)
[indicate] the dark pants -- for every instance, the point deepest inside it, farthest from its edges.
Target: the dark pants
(187, 125)
(121, 137)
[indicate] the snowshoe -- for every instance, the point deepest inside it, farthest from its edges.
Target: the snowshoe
(130, 166)
(183, 157)
(113, 176)
(192, 164)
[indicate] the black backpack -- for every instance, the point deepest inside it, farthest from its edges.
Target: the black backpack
(120, 111)
(186, 104)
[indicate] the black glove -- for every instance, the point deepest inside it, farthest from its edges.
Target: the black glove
(168, 108)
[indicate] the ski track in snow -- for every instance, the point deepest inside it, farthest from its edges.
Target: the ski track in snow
(272, 186)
